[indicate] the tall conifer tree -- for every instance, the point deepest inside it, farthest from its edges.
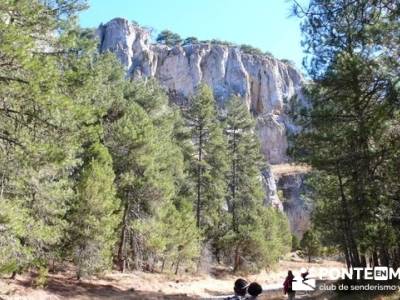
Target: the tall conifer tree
(354, 64)
(94, 219)
(209, 159)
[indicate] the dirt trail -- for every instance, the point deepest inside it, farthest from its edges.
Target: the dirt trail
(140, 285)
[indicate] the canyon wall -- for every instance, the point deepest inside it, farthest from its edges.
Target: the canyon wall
(265, 83)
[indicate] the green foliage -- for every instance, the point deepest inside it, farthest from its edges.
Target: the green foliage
(257, 235)
(329, 251)
(40, 125)
(190, 40)
(288, 62)
(147, 143)
(221, 42)
(131, 140)
(208, 164)
(96, 168)
(269, 54)
(8, 267)
(350, 126)
(41, 277)
(310, 244)
(94, 218)
(278, 235)
(245, 161)
(169, 38)
(295, 243)
(171, 237)
(13, 256)
(260, 243)
(250, 50)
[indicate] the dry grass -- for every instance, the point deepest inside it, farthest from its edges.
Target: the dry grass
(290, 169)
(153, 286)
(141, 285)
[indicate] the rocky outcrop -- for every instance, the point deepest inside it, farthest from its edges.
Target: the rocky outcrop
(295, 205)
(271, 191)
(266, 84)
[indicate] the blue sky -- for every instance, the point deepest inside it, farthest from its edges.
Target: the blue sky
(261, 23)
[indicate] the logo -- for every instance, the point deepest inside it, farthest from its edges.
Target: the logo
(378, 273)
(307, 279)
(370, 273)
(303, 282)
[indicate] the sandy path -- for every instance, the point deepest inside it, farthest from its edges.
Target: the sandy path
(140, 285)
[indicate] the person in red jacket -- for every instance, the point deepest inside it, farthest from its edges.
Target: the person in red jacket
(287, 286)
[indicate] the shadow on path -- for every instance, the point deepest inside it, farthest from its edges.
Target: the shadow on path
(68, 288)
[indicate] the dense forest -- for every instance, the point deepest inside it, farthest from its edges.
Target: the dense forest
(102, 172)
(351, 128)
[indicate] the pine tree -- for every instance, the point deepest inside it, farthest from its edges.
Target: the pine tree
(56, 90)
(310, 244)
(352, 62)
(165, 118)
(95, 217)
(209, 162)
(131, 141)
(253, 236)
(39, 128)
(277, 234)
(244, 159)
(171, 237)
(94, 165)
(295, 243)
(148, 162)
(169, 38)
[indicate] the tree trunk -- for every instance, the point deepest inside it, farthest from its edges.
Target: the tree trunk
(137, 252)
(354, 255)
(346, 245)
(122, 242)
(199, 177)
(237, 258)
(347, 257)
(218, 255)
(375, 258)
(163, 265)
(384, 257)
(177, 266)
(13, 275)
(396, 258)
(233, 183)
(363, 261)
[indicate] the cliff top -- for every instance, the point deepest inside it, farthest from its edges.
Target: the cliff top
(169, 40)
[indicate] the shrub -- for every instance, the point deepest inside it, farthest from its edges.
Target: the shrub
(250, 50)
(169, 38)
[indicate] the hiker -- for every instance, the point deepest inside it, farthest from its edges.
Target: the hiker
(287, 286)
(254, 290)
(240, 289)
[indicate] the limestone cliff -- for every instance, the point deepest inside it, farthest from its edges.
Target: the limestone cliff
(266, 84)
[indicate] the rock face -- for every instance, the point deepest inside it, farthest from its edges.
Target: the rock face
(271, 192)
(266, 84)
(295, 206)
